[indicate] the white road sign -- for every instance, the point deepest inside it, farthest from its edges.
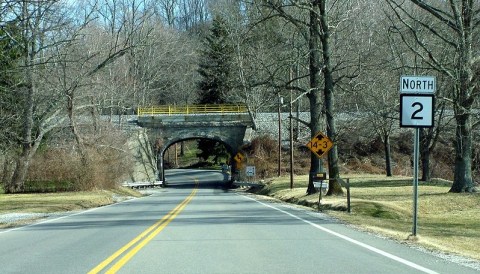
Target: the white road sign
(416, 110)
(417, 84)
(250, 171)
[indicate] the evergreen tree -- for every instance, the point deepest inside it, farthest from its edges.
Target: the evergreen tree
(10, 102)
(10, 53)
(215, 68)
(211, 148)
(216, 65)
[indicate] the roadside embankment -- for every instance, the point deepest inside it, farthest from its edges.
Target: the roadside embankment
(447, 222)
(23, 209)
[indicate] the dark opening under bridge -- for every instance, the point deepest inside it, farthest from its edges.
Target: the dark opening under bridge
(167, 125)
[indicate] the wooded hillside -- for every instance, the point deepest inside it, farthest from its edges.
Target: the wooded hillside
(61, 61)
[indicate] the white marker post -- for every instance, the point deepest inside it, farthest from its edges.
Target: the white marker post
(417, 102)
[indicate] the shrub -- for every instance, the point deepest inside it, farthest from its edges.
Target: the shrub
(61, 167)
(263, 153)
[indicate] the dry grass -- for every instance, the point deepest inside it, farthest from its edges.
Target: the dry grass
(106, 161)
(58, 202)
(446, 221)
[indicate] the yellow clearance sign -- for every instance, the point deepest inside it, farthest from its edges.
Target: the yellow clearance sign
(239, 157)
(320, 144)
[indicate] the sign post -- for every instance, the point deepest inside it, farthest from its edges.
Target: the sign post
(320, 145)
(318, 183)
(416, 111)
(239, 160)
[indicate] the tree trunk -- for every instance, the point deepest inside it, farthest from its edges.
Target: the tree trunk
(425, 160)
(73, 128)
(7, 168)
(17, 183)
(388, 155)
(334, 173)
(425, 140)
(94, 114)
(316, 164)
(463, 181)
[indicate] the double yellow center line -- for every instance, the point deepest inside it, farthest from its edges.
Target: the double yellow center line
(129, 250)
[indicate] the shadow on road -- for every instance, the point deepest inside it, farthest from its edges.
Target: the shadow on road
(206, 179)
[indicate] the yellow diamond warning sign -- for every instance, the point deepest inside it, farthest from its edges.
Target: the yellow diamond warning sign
(239, 157)
(320, 144)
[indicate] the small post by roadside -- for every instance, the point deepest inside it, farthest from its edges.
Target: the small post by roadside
(319, 184)
(280, 103)
(348, 196)
(346, 184)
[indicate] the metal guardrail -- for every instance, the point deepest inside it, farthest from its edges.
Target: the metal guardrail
(191, 109)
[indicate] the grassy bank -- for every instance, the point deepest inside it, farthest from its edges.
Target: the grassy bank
(57, 202)
(446, 221)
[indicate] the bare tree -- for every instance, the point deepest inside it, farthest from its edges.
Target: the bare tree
(126, 19)
(193, 15)
(55, 69)
(327, 68)
(166, 9)
(38, 115)
(370, 95)
(164, 70)
(185, 15)
(455, 24)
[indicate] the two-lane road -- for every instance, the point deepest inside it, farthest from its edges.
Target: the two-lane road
(196, 226)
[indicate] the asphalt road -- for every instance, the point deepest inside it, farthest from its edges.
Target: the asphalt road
(197, 226)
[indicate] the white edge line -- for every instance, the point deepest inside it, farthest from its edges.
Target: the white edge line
(66, 216)
(346, 238)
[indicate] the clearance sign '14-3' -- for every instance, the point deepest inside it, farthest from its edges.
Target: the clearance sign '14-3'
(320, 144)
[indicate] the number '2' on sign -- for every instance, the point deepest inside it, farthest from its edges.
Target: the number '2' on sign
(416, 110)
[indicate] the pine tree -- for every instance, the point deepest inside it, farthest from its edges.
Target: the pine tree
(10, 102)
(215, 68)
(216, 65)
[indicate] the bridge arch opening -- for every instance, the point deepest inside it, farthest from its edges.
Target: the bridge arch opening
(169, 156)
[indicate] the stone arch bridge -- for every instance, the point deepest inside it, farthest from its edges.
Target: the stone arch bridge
(167, 125)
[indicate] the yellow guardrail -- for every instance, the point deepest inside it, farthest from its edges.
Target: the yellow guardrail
(191, 109)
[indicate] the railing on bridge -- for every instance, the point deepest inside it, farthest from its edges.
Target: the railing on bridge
(192, 109)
